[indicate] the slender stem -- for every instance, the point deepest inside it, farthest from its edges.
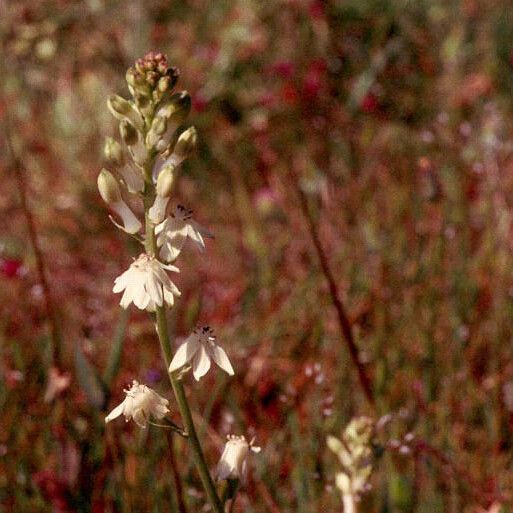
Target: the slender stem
(181, 399)
(345, 325)
(349, 503)
(51, 312)
(176, 476)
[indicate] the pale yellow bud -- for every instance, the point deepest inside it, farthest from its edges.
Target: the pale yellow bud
(156, 131)
(128, 133)
(175, 110)
(178, 106)
(108, 187)
(113, 151)
(186, 144)
(118, 106)
(165, 181)
(122, 109)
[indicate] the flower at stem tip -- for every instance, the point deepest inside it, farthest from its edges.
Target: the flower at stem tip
(140, 403)
(146, 284)
(198, 350)
(233, 461)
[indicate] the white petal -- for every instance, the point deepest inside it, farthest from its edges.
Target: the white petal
(140, 418)
(130, 222)
(200, 363)
(140, 297)
(120, 282)
(159, 411)
(116, 412)
(185, 352)
(154, 289)
(223, 470)
(172, 239)
(201, 229)
(159, 163)
(172, 289)
(170, 267)
(220, 357)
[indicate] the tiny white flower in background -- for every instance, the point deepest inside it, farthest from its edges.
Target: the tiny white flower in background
(57, 382)
(173, 231)
(146, 284)
(140, 402)
(233, 461)
(197, 350)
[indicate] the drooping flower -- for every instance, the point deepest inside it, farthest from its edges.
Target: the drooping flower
(197, 350)
(110, 193)
(140, 403)
(233, 461)
(146, 284)
(173, 231)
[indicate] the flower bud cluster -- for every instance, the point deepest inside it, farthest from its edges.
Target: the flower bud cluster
(354, 451)
(151, 77)
(145, 163)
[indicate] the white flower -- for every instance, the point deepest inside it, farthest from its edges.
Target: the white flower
(198, 349)
(173, 231)
(233, 461)
(146, 284)
(140, 402)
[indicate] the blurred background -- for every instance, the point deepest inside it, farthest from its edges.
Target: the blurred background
(350, 149)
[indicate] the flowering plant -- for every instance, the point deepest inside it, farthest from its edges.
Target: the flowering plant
(155, 146)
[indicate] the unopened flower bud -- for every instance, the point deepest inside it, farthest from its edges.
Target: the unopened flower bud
(108, 187)
(132, 177)
(110, 193)
(136, 83)
(157, 212)
(143, 103)
(128, 133)
(113, 152)
(123, 110)
(156, 131)
(175, 110)
(165, 181)
(186, 144)
(118, 105)
(179, 105)
(163, 84)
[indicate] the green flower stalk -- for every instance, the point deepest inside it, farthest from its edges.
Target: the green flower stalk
(147, 168)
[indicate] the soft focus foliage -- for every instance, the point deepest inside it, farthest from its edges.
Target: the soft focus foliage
(393, 118)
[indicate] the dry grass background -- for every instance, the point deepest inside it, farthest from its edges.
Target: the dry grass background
(383, 129)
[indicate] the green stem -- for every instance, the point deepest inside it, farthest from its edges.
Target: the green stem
(181, 399)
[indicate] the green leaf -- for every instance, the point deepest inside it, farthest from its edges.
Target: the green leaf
(89, 380)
